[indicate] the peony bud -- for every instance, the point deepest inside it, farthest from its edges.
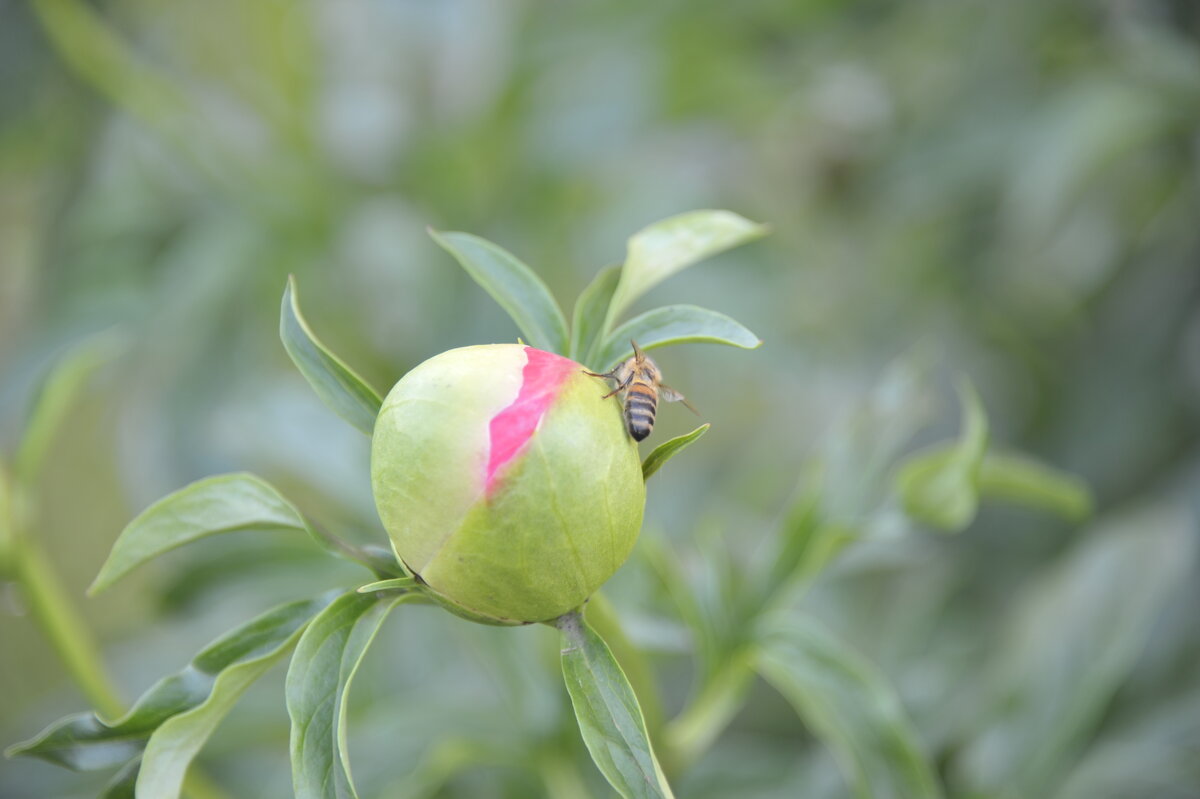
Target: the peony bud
(505, 482)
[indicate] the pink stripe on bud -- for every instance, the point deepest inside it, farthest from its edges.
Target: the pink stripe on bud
(510, 429)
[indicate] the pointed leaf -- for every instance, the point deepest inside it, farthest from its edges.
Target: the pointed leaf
(223, 504)
(664, 248)
(674, 324)
(84, 743)
(346, 394)
(848, 704)
(58, 391)
(1025, 481)
(394, 584)
(669, 449)
(590, 310)
(318, 685)
(608, 713)
(940, 487)
(514, 285)
(178, 740)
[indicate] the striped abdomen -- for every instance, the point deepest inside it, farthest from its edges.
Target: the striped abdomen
(641, 402)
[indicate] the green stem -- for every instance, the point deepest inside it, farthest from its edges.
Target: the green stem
(66, 630)
(693, 731)
(382, 562)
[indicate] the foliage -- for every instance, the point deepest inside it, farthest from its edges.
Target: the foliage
(1011, 186)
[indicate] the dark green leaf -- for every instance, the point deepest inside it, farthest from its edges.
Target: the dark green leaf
(335, 383)
(226, 503)
(514, 285)
(1022, 480)
(674, 324)
(588, 319)
(83, 742)
(848, 704)
(940, 487)
(669, 449)
(178, 740)
(671, 245)
(57, 393)
(318, 684)
(608, 713)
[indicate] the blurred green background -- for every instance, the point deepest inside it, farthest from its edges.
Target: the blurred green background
(1010, 190)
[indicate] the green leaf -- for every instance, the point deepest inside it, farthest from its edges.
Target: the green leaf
(669, 449)
(1022, 480)
(335, 383)
(674, 324)
(59, 390)
(940, 487)
(122, 785)
(849, 705)
(178, 740)
(318, 685)
(84, 743)
(608, 713)
(671, 245)
(394, 584)
(226, 503)
(588, 320)
(514, 285)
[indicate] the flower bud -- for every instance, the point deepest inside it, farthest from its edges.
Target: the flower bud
(505, 482)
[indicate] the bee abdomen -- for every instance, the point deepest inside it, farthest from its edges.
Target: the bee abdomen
(640, 405)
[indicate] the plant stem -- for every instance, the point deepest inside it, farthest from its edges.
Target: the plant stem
(46, 596)
(66, 630)
(694, 730)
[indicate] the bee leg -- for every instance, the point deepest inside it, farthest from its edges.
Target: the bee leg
(620, 387)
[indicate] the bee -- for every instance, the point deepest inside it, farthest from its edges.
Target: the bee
(640, 379)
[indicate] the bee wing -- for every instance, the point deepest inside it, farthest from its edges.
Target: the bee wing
(671, 395)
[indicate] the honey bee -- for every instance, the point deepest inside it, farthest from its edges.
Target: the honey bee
(640, 379)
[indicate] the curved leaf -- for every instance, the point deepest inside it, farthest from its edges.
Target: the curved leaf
(393, 584)
(588, 320)
(940, 486)
(674, 324)
(223, 504)
(122, 785)
(54, 398)
(514, 285)
(671, 245)
(336, 384)
(83, 742)
(1022, 480)
(178, 740)
(318, 684)
(669, 449)
(608, 713)
(846, 703)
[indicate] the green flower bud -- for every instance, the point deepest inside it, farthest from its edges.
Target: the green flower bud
(505, 482)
